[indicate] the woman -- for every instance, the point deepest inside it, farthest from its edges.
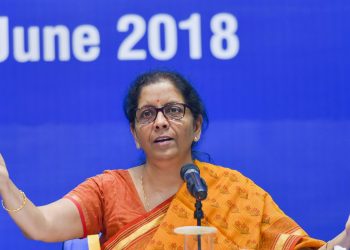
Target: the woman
(138, 208)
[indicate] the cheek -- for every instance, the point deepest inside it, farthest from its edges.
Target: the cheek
(142, 132)
(187, 131)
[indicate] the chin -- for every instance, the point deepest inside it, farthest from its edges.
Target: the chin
(169, 156)
(165, 155)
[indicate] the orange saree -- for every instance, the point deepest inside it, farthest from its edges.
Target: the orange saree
(244, 214)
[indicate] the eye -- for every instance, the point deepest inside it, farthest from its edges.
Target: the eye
(174, 110)
(146, 113)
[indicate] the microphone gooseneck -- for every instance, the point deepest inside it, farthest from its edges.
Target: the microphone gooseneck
(198, 189)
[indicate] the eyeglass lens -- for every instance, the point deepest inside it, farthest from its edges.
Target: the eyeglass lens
(173, 111)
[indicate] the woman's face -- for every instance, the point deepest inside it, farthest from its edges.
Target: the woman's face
(165, 139)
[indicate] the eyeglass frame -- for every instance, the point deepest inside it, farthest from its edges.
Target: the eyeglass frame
(162, 110)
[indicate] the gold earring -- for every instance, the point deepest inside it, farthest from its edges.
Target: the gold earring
(138, 145)
(196, 139)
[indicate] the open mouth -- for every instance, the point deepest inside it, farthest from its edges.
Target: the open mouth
(163, 139)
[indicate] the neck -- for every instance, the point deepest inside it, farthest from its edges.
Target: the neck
(164, 174)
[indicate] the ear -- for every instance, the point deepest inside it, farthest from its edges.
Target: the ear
(134, 134)
(198, 128)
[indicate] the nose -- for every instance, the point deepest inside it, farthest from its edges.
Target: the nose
(161, 121)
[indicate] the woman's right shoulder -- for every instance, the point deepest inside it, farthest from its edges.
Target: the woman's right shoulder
(114, 175)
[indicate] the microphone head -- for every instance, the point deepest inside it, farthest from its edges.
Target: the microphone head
(196, 185)
(185, 168)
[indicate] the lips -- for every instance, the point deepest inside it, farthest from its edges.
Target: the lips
(162, 139)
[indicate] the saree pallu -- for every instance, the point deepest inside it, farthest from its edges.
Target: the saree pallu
(244, 214)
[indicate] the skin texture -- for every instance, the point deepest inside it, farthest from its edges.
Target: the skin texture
(181, 131)
(160, 174)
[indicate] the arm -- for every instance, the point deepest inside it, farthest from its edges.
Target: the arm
(57, 221)
(343, 239)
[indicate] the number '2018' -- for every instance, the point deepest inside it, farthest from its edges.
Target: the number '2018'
(224, 43)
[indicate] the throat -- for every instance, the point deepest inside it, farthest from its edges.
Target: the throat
(154, 194)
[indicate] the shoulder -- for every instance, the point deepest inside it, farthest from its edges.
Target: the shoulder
(109, 177)
(227, 176)
(218, 171)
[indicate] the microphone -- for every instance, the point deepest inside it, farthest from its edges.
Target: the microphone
(195, 184)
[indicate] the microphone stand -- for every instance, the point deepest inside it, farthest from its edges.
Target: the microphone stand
(199, 215)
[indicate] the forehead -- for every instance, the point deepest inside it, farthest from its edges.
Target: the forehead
(159, 93)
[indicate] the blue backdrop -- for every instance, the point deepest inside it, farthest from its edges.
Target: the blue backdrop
(274, 75)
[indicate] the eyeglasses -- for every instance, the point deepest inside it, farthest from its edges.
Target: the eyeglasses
(172, 111)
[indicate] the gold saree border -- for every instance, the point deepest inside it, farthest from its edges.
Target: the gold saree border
(286, 241)
(139, 232)
(137, 228)
(289, 235)
(93, 242)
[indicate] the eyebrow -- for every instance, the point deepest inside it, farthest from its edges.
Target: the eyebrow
(149, 105)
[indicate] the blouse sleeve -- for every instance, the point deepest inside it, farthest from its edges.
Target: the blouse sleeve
(89, 199)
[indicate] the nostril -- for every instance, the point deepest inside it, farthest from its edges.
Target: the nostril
(161, 126)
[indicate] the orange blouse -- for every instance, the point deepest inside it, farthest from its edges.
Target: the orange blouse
(107, 202)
